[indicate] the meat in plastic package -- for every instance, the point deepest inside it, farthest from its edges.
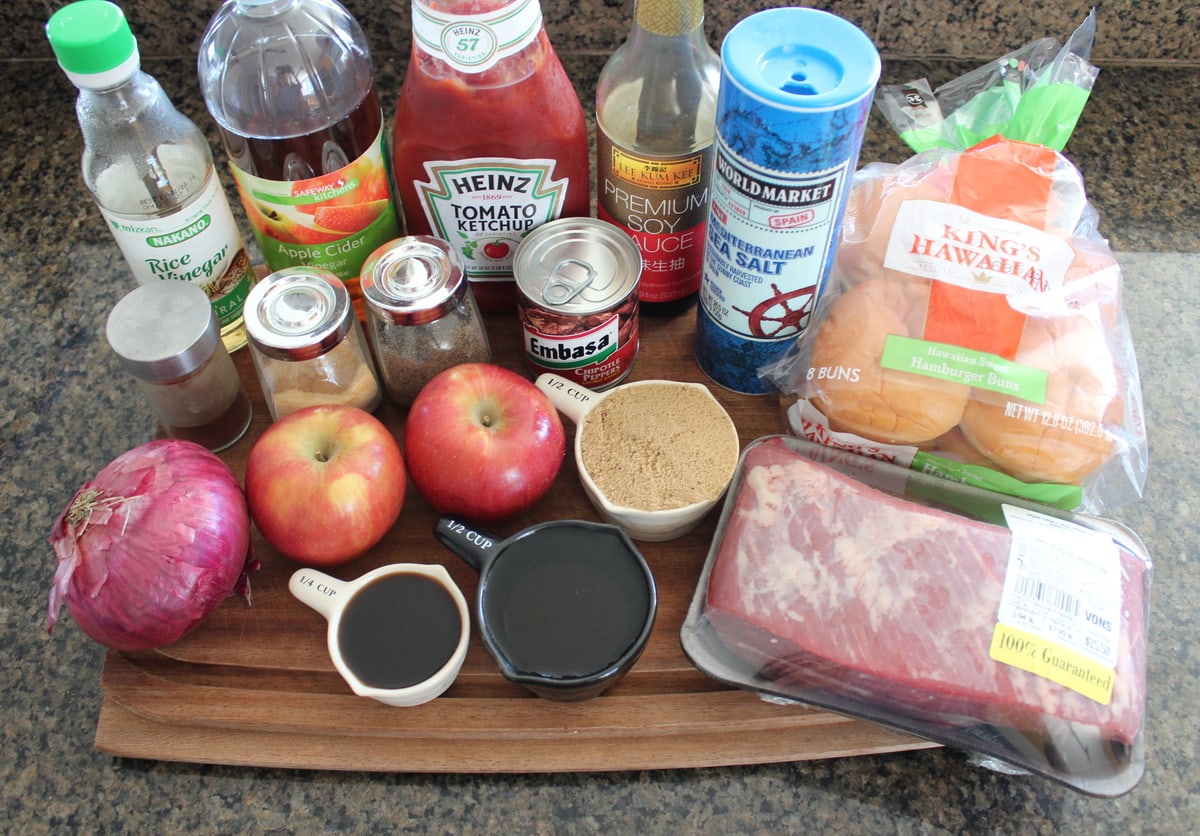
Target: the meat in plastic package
(973, 327)
(1002, 628)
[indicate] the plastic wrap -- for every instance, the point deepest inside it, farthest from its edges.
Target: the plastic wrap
(1004, 629)
(1035, 93)
(973, 323)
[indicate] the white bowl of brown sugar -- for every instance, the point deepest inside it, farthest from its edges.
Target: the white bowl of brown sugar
(654, 456)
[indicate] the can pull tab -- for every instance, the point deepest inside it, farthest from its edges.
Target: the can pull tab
(561, 287)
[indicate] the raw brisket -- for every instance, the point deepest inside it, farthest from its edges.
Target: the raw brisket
(839, 590)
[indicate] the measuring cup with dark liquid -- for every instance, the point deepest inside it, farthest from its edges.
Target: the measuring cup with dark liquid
(397, 634)
(565, 607)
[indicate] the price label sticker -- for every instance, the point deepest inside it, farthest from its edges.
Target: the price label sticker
(1060, 612)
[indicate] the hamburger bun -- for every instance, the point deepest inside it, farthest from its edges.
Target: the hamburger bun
(955, 447)
(871, 211)
(1070, 435)
(848, 384)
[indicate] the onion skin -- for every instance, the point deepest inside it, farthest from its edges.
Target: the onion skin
(150, 546)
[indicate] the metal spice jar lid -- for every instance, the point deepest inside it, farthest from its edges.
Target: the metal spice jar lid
(413, 280)
(163, 331)
(577, 266)
(298, 313)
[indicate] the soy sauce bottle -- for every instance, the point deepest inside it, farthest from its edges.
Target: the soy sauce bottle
(655, 123)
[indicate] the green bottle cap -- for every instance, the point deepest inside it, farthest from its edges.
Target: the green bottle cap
(93, 43)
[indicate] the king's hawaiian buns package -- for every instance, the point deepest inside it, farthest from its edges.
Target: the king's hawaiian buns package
(974, 328)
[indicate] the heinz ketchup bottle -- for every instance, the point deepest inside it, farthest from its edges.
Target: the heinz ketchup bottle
(490, 139)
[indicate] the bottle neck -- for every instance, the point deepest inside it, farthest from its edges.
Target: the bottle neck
(474, 43)
(669, 18)
(132, 91)
(262, 8)
(119, 76)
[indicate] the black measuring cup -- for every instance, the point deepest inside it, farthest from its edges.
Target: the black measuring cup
(564, 607)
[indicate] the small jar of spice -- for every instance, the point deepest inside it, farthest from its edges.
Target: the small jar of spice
(422, 317)
(166, 335)
(307, 345)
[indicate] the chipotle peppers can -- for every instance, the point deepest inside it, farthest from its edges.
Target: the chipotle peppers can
(577, 295)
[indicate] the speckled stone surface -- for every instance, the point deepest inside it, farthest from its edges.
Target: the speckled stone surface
(65, 411)
(1130, 30)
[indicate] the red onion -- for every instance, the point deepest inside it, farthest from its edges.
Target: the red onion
(151, 545)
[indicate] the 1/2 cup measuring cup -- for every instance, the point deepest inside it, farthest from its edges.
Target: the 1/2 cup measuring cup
(397, 634)
(565, 607)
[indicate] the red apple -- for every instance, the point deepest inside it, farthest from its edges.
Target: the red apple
(483, 442)
(325, 483)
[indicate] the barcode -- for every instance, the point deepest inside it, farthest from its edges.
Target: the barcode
(1060, 599)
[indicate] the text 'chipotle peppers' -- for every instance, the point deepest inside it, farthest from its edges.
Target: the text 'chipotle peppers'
(974, 329)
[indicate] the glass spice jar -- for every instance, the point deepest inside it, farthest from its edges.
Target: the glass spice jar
(422, 317)
(167, 336)
(307, 344)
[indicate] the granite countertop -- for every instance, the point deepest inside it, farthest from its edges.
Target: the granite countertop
(67, 412)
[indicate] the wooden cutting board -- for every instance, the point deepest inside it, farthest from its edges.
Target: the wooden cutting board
(253, 685)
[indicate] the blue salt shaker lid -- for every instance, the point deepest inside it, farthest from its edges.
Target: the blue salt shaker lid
(801, 58)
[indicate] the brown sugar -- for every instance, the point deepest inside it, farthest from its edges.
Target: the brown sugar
(657, 446)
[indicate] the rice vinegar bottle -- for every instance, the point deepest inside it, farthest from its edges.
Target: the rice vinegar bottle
(656, 103)
(148, 167)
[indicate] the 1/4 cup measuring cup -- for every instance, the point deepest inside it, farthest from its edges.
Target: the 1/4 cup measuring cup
(397, 634)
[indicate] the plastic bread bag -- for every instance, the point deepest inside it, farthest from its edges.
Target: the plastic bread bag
(1009, 631)
(1035, 94)
(973, 327)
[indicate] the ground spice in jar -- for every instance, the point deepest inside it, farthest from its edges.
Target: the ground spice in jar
(659, 445)
(167, 336)
(421, 314)
(337, 377)
(411, 357)
(306, 343)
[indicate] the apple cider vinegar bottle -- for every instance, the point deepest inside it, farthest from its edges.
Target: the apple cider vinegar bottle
(148, 167)
(291, 87)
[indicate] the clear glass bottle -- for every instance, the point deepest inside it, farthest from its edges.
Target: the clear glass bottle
(291, 87)
(148, 167)
(656, 101)
(307, 344)
(166, 335)
(490, 139)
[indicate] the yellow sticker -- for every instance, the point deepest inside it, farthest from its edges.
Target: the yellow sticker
(1059, 664)
(648, 173)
